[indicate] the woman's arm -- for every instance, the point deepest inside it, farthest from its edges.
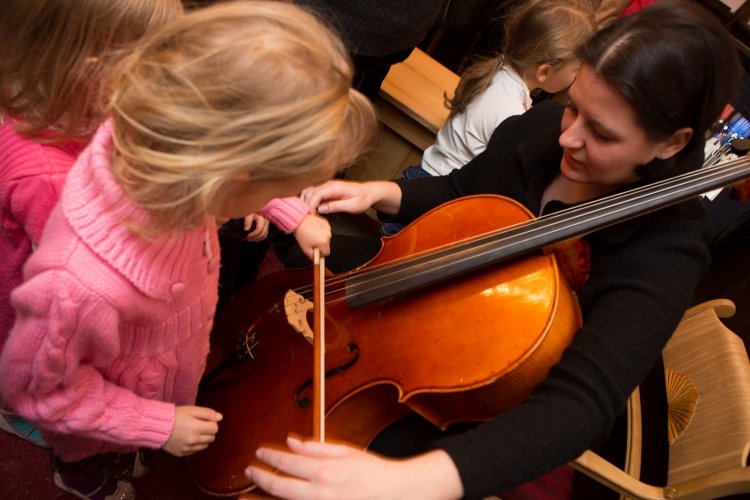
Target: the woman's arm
(353, 197)
(642, 279)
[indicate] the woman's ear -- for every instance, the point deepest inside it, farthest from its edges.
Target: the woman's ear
(675, 143)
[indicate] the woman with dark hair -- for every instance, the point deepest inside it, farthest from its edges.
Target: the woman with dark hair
(649, 88)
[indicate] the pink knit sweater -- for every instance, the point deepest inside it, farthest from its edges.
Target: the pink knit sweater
(31, 178)
(112, 329)
(286, 213)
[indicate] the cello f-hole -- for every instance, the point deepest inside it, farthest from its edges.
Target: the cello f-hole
(304, 402)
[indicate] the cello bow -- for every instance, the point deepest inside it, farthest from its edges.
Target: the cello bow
(319, 347)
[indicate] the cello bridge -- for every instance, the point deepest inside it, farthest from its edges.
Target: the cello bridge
(296, 307)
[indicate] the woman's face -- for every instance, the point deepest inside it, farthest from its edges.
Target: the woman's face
(600, 137)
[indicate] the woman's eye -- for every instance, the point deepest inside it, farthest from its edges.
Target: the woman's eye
(601, 137)
(570, 112)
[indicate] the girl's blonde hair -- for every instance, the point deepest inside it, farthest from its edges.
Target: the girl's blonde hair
(54, 56)
(230, 94)
(535, 32)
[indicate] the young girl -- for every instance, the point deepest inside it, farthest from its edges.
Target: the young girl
(213, 116)
(540, 39)
(638, 112)
(55, 55)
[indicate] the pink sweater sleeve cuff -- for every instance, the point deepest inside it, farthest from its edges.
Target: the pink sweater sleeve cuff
(286, 213)
(157, 420)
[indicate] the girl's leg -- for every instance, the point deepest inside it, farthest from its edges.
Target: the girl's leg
(101, 477)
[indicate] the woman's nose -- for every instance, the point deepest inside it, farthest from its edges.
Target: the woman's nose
(570, 136)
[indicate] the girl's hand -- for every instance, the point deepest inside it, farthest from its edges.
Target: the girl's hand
(353, 197)
(314, 232)
(323, 470)
(195, 427)
(260, 231)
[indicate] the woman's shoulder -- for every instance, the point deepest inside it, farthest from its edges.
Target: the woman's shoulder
(681, 229)
(542, 120)
(545, 114)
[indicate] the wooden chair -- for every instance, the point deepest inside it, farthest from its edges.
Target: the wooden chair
(708, 387)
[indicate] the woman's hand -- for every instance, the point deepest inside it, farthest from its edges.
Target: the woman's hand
(260, 231)
(195, 427)
(353, 197)
(314, 232)
(322, 470)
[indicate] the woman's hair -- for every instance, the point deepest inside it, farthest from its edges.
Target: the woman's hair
(535, 32)
(227, 95)
(54, 56)
(677, 67)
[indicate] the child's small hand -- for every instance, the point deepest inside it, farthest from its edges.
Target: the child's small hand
(260, 230)
(195, 427)
(314, 232)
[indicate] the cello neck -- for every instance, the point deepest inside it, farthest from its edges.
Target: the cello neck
(445, 263)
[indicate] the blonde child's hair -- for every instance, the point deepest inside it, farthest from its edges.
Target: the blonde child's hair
(55, 54)
(227, 95)
(535, 32)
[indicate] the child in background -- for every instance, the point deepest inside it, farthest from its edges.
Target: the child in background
(55, 54)
(213, 116)
(539, 52)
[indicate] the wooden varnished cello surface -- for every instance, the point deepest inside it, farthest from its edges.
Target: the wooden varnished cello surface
(463, 350)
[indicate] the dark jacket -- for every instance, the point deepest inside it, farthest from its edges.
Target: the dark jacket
(378, 27)
(642, 278)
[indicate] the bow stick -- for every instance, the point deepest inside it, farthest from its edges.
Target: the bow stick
(319, 347)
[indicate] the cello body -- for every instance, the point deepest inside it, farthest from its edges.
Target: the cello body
(464, 350)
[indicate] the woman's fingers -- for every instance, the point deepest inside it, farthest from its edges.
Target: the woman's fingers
(279, 486)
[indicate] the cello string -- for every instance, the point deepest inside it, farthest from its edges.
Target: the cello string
(561, 217)
(556, 221)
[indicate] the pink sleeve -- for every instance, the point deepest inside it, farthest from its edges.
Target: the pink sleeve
(32, 200)
(286, 213)
(35, 177)
(48, 368)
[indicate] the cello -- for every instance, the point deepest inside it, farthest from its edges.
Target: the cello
(492, 289)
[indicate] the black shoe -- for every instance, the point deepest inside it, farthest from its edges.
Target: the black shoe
(101, 477)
